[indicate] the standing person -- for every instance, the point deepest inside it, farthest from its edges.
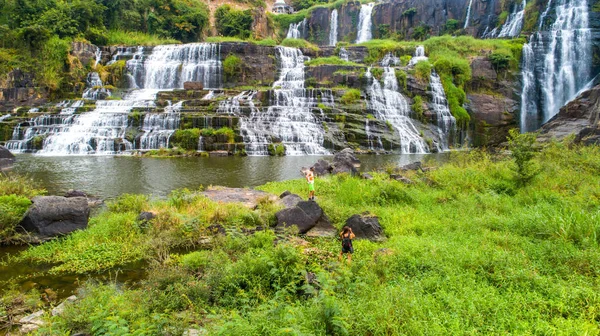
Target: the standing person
(310, 178)
(347, 235)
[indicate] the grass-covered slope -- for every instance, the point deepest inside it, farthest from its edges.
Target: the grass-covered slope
(472, 248)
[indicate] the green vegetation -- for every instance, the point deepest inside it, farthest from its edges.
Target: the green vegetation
(423, 71)
(402, 78)
(276, 149)
(350, 97)
(299, 43)
(15, 195)
(410, 12)
(120, 37)
(227, 132)
(186, 139)
(523, 150)
(233, 23)
(467, 243)
(232, 66)
(417, 107)
(332, 60)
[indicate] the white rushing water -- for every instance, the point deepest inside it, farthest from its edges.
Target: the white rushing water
(556, 63)
(104, 130)
(4, 117)
(387, 104)
(289, 119)
(98, 55)
(419, 56)
(364, 23)
(514, 23)
(333, 25)
(95, 88)
(343, 54)
(468, 18)
(444, 119)
(297, 30)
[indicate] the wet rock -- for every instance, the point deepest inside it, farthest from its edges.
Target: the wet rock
(85, 52)
(248, 197)
(6, 158)
(416, 166)
(196, 86)
(32, 322)
(366, 176)
(306, 215)
(345, 162)
(52, 216)
(366, 226)
(218, 153)
(322, 167)
(146, 216)
(75, 193)
(58, 310)
(285, 193)
(291, 200)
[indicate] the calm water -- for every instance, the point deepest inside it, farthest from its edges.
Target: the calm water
(111, 176)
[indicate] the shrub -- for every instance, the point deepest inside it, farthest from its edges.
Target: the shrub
(350, 97)
(186, 139)
(501, 59)
(228, 132)
(417, 107)
(12, 209)
(231, 22)
(232, 66)
(401, 77)
(522, 148)
(128, 203)
(423, 71)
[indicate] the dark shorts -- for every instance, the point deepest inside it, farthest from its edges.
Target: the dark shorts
(347, 250)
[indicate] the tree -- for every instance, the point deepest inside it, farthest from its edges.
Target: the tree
(523, 150)
(231, 22)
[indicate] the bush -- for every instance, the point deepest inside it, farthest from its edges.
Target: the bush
(522, 148)
(423, 71)
(298, 43)
(186, 139)
(232, 66)
(417, 108)
(228, 132)
(235, 23)
(12, 210)
(401, 77)
(501, 59)
(128, 203)
(350, 97)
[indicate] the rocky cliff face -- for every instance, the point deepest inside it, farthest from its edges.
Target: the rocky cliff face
(580, 117)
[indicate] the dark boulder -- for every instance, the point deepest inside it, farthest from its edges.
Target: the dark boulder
(401, 178)
(146, 216)
(366, 176)
(322, 167)
(366, 226)
(345, 162)
(285, 193)
(75, 193)
(52, 216)
(294, 217)
(291, 200)
(195, 86)
(416, 166)
(306, 215)
(6, 158)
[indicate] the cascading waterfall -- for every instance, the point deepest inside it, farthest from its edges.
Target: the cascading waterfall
(364, 23)
(103, 130)
(388, 104)
(343, 54)
(96, 89)
(333, 23)
(289, 119)
(444, 119)
(419, 56)
(4, 117)
(297, 30)
(468, 18)
(556, 63)
(98, 55)
(514, 23)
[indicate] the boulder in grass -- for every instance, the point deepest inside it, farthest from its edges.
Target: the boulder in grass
(322, 168)
(416, 166)
(53, 216)
(305, 215)
(291, 200)
(345, 162)
(366, 226)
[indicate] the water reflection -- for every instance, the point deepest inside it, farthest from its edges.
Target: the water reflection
(110, 176)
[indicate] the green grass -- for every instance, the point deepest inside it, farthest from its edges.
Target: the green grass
(332, 60)
(119, 37)
(221, 39)
(469, 250)
(298, 43)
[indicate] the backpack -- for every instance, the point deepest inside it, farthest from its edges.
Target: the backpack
(346, 242)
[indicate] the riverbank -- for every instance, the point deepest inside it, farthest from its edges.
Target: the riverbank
(471, 247)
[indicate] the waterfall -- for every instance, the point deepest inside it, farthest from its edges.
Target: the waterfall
(158, 127)
(124, 53)
(444, 120)
(98, 55)
(390, 60)
(289, 119)
(333, 23)
(4, 117)
(419, 56)
(297, 30)
(374, 141)
(388, 104)
(364, 23)
(95, 88)
(169, 66)
(514, 23)
(343, 54)
(468, 18)
(556, 63)
(104, 130)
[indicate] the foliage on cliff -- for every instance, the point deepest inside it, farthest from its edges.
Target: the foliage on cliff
(466, 243)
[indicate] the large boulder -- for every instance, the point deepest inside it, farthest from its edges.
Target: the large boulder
(195, 86)
(291, 200)
(306, 215)
(52, 216)
(322, 167)
(345, 162)
(366, 226)
(6, 157)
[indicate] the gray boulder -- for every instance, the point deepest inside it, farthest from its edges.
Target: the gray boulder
(52, 216)
(75, 193)
(416, 166)
(146, 216)
(366, 176)
(291, 200)
(345, 162)
(366, 226)
(6, 158)
(322, 167)
(306, 215)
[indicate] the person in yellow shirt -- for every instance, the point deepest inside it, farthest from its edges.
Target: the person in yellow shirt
(310, 178)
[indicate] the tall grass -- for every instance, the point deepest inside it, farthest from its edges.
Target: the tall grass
(120, 37)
